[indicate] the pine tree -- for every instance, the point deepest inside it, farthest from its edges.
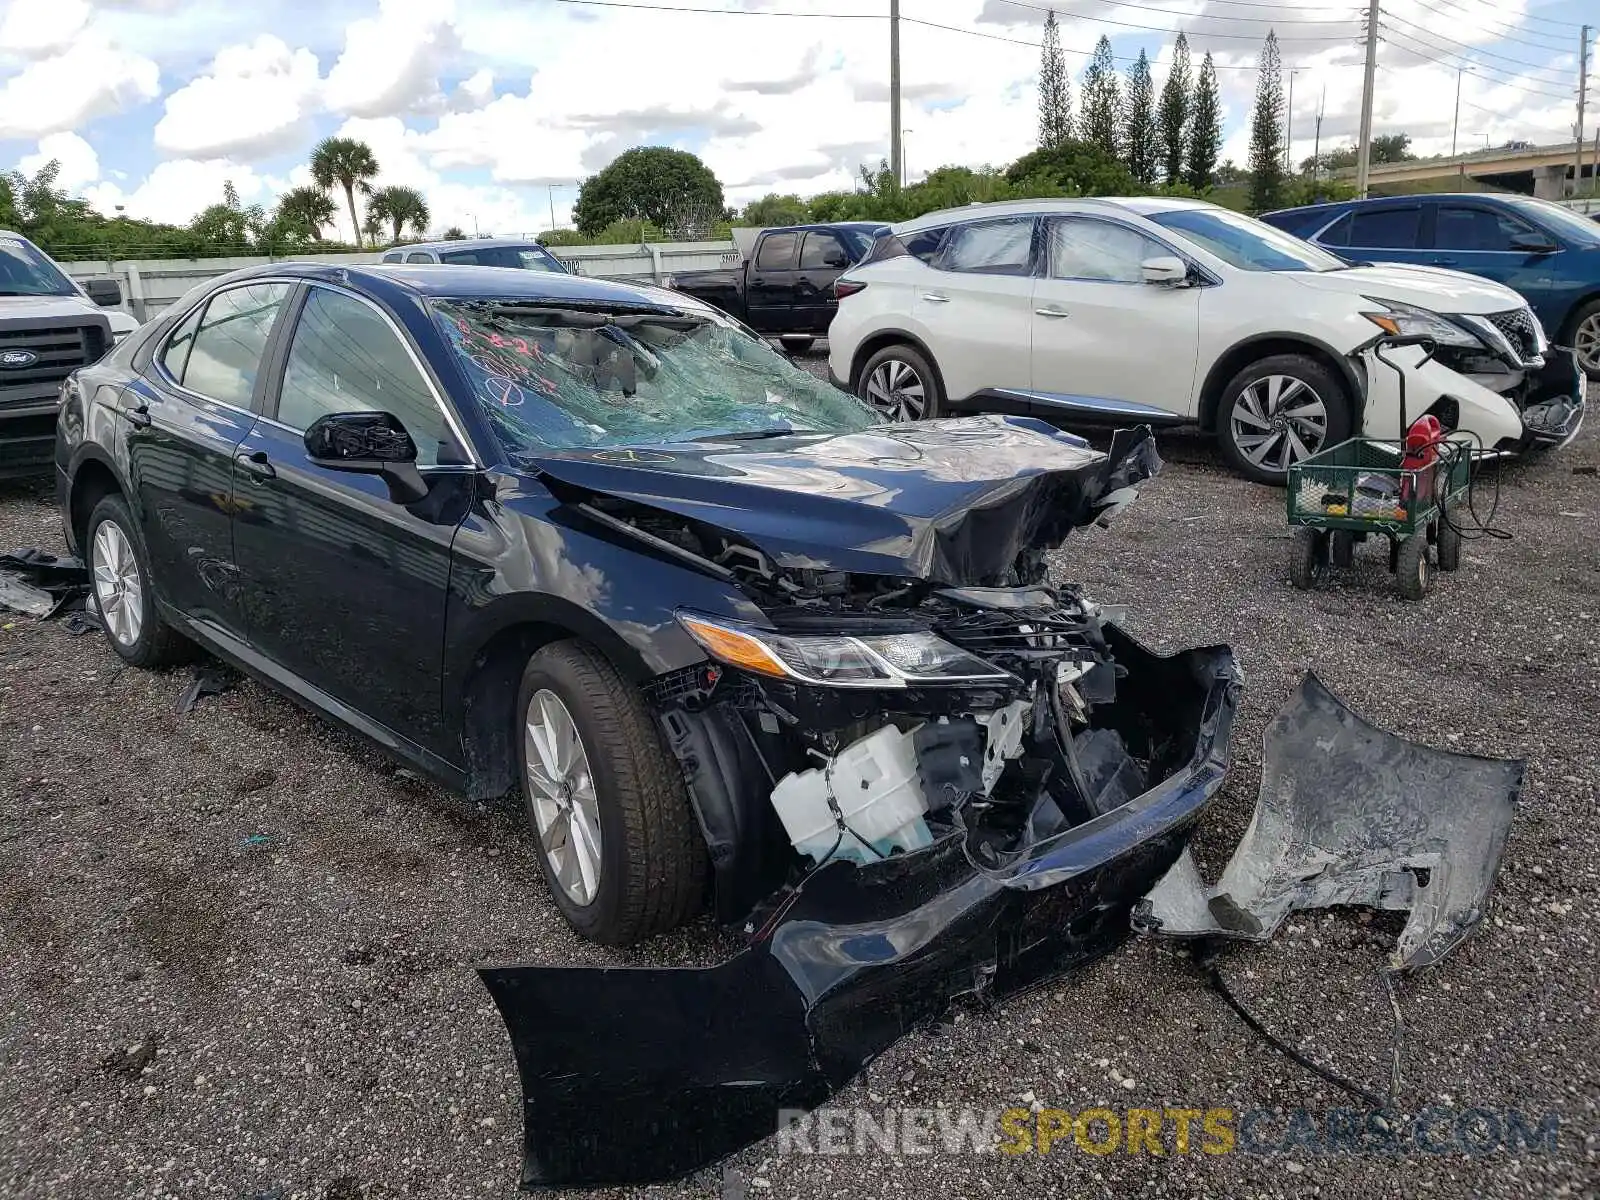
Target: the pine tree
(1176, 101)
(1205, 129)
(1139, 136)
(1102, 100)
(1266, 132)
(1055, 93)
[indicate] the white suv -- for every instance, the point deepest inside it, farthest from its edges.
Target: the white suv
(1163, 311)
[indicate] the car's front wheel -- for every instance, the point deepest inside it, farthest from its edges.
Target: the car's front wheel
(617, 841)
(900, 383)
(1279, 411)
(1586, 338)
(119, 571)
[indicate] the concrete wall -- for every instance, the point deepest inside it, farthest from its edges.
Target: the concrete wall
(150, 285)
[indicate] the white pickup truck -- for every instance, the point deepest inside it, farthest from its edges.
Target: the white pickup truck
(50, 325)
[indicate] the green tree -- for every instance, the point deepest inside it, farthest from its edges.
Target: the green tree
(349, 164)
(229, 225)
(303, 212)
(400, 206)
(773, 209)
(1267, 171)
(1055, 93)
(1386, 148)
(669, 188)
(1074, 169)
(455, 234)
(1139, 139)
(1205, 129)
(1173, 115)
(1102, 100)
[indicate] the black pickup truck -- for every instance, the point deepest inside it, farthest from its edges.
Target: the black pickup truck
(784, 288)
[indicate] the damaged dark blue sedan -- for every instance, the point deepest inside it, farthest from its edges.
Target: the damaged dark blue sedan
(734, 641)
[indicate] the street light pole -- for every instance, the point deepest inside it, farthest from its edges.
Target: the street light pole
(1456, 127)
(896, 153)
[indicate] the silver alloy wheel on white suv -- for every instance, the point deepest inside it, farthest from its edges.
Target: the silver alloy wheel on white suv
(118, 586)
(897, 391)
(1278, 421)
(561, 788)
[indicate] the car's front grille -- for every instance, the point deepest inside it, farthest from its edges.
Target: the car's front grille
(1520, 330)
(1027, 632)
(55, 354)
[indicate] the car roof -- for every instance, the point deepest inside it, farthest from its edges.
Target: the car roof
(1342, 205)
(479, 283)
(1140, 205)
(469, 244)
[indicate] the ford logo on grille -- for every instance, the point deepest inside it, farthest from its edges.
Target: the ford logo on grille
(15, 360)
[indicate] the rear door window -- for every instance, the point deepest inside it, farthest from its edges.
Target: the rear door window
(225, 353)
(1003, 247)
(1393, 228)
(822, 250)
(419, 256)
(1469, 227)
(777, 251)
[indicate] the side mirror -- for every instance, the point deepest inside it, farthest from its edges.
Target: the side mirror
(1533, 243)
(1168, 270)
(368, 443)
(107, 293)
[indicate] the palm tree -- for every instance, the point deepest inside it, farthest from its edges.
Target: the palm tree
(348, 163)
(305, 210)
(400, 206)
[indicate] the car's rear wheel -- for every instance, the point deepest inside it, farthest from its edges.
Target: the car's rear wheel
(617, 841)
(119, 571)
(797, 345)
(1586, 338)
(1279, 411)
(900, 383)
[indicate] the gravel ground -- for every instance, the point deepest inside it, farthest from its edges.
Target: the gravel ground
(240, 943)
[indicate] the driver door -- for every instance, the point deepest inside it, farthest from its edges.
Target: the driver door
(345, 588)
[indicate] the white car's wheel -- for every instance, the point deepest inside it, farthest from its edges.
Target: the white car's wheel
(899, 383)
(1279, 411)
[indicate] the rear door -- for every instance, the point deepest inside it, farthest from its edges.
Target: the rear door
(187, 416)
(1106, 343)
(769, 282)
(823, 258)
(1475, 237)
(976, 304)
(1386, 232)
(347, 588)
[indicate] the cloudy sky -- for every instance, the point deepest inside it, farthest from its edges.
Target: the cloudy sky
(495, 108)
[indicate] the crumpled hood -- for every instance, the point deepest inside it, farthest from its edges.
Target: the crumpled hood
(950, 501)
(1432, 288)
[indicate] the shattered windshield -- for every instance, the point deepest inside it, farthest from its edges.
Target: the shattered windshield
(549, 376)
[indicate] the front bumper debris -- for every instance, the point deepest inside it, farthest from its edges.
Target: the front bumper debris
(636, 1075)
(1554, 410)
(1352, 815)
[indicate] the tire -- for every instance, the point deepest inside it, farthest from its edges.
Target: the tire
(1448, 543)
(1308, 566)
(648, 872)
(1252, 399)
(900, 383)
(797, 345)
(1585, 338)
(1342, 548)
(119, 573)
(1411, 568)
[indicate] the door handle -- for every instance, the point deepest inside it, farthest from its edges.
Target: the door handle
(936, 297)
(139, 417)
(256, 464)
(1051, 312)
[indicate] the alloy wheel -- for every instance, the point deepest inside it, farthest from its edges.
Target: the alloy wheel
(896, 390)
(1279, 420)
(118, 587)
(1586, 342)
(566, 809)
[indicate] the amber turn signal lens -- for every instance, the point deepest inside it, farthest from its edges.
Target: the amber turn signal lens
(732, 647)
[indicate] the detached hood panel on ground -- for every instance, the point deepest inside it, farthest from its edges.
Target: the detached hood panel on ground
(949, 502)
(1426, 287)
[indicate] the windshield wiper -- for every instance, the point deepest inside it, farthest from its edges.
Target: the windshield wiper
(748, 435)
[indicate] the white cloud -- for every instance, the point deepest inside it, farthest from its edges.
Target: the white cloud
(37, 27)
(254, 99)
(391, 62)
(79, 164)
(90, 79)
(178, 189)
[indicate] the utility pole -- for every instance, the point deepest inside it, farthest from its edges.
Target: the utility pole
(1583, 86)
(1316, 142)
(1288, 133)
(895, 154)
(1456, 127)
(1364, 152)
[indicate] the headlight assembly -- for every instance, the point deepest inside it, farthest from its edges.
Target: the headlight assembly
(1406, 320)
(893, 660)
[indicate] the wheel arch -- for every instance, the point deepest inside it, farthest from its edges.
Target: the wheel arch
(93, 478)
(1569, 324)
(893, 337)
(1265, 345)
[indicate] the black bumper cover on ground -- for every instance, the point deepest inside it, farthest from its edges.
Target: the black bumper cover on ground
(637, 1075)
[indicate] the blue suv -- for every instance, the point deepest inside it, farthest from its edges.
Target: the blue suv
(1548, 253)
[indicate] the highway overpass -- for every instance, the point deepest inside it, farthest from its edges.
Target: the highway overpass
(1544, 171)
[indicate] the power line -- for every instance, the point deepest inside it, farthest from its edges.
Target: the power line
(1478, 50)
(1398, 45)
(726, 12)
(1069, 16)
(1496, 29)
(1247, 37)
